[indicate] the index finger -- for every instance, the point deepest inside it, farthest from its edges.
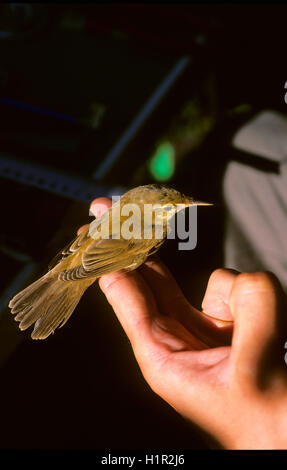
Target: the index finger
(97, 208)
(100, 205)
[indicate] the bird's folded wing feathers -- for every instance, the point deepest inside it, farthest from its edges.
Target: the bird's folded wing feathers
(108, 255)
(70, 248)
(103, 255)
(91, 231)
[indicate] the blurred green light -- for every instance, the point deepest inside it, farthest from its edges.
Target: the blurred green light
(162, 163)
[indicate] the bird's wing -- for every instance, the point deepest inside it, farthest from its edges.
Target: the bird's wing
(94, 253)
(108, 255)
(70, 248)
(78, 241)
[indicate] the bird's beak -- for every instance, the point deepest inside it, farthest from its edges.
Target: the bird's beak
(191, 202)
(201, 203)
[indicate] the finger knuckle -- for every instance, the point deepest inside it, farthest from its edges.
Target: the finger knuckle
(255, 280)
(218, 273)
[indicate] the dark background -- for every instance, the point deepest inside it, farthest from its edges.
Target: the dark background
(72, 80)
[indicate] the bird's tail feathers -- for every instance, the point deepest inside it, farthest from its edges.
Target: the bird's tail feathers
(48, 302)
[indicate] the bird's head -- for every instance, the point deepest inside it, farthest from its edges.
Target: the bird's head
(164, 199)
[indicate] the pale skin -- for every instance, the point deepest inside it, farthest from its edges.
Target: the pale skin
(236, 393)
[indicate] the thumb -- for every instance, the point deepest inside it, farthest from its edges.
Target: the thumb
(254, 304)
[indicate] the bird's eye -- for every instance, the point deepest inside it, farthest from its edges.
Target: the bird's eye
(169, 207)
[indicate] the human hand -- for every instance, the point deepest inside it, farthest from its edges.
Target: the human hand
(236, 393)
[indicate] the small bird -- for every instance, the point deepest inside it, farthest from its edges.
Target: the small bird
(99, 249)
